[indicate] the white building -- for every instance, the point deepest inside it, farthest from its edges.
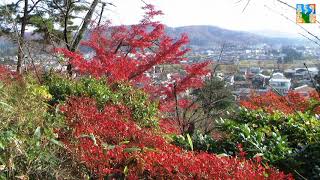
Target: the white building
(302, 73)
(280, 83)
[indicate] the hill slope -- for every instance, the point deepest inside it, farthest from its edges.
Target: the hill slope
(208, 36)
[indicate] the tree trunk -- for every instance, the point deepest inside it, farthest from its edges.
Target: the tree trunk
(21, 40)
(82, 30)
(84, 27)
(101, 13)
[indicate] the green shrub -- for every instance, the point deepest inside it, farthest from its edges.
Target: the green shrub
(304, 164)
(200, 142)
(274, 135)
(143, 110)
(289, 142)
(26, 131)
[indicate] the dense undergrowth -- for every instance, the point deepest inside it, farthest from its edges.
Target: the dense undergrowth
(285, 136)
(86, 128)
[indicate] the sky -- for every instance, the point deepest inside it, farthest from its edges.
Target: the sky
(260, 15)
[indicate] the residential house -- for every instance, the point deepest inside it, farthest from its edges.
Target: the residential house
(255, 70)
(260, 81)
(301, 73)
(280, 83)
(304, 90)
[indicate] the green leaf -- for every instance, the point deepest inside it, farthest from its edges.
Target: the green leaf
(125, 170)
(124, 142)
(7, 106)
(56, 142)
(2, 167)
(223, 155)
(2, 146)
(190, 142)
(149, 149)
(258, 155)
(133, 149)
(37, 133)
(91, 136)
(107, 146)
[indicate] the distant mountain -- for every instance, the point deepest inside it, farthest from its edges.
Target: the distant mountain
(208, 36)
(202, 37)
(276, 34)
(7, 48)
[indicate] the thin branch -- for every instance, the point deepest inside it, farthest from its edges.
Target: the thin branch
(17, 3)
(32, 63)
(317, 43)
(58, 6)
(219, 59)
(287, 101)
(176, 104)
(300, 175)
(34, 5)
(119, 46)
(102, 9)
(304, 29)
(311, 78)
(246, 5)
(188, 108)
(144, 2)
(292, 7)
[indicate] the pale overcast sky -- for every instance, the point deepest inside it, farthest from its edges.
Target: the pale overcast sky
(260, 15)
(223, 13)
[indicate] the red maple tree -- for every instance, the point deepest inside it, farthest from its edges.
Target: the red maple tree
(128, 53)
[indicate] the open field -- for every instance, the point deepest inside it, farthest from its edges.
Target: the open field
(272, 64)
(266, 64)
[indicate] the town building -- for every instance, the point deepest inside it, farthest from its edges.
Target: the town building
(280, 83)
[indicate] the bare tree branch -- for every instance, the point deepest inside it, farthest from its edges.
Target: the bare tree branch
(102, 9)
(34, 5)
(219, 59)
(303, 28)
(292, 7)
(311, 78)
(246, 5)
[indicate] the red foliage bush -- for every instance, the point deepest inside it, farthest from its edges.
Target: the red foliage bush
(6, 75)
(291, 103)
(168, 126)
(129, 53)
(110, 143)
